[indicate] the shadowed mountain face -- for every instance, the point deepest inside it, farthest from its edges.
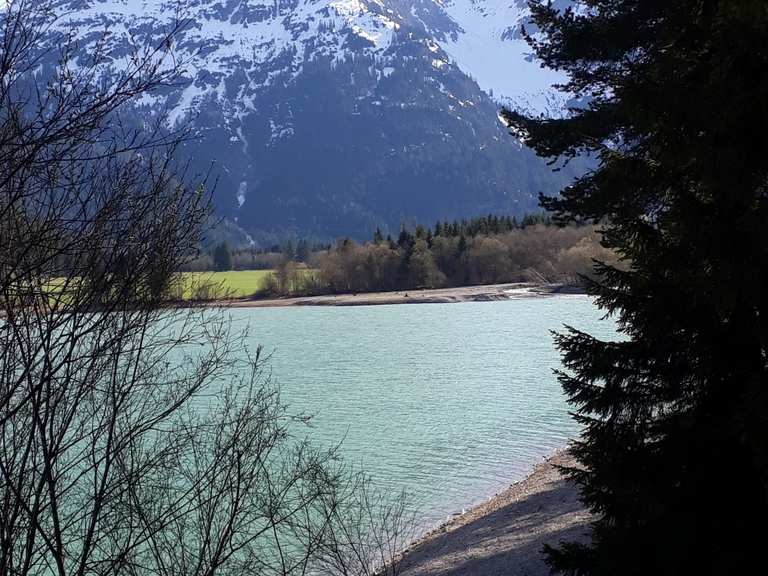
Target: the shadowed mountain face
(331, 117)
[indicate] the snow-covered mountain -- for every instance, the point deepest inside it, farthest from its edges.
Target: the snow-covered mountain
(336, 116)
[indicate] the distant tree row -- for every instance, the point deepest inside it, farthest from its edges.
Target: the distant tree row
(224, 257)
(423, 259)
(486, 250)
(481, 226)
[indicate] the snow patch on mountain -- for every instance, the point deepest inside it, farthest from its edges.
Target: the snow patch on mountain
(387, 82)
(233, 49)
(255, 43)
(490, 49)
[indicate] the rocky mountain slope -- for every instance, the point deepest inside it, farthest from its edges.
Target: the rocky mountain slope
(331, 117)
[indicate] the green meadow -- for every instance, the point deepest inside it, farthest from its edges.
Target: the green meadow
(199, 285)
(230, 284)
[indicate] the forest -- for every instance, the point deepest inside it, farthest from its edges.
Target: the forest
(486, 250)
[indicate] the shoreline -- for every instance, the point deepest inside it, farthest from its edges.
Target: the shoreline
(506, 534)
(487, 293)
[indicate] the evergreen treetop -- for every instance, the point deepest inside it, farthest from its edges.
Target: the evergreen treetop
(675, 440)
(222, 257)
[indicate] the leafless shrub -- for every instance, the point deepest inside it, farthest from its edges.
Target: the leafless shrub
(135, 436)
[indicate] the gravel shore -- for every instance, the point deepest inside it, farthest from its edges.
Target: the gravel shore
(505, 535)
(439, 295)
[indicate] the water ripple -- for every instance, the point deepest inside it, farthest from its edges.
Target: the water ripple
(451, 401)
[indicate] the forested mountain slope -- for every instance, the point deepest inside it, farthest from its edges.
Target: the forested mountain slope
(332, 117)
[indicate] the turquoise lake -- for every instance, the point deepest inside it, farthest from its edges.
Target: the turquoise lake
(452, 402)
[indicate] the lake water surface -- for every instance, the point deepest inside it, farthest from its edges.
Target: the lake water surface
(451, 401)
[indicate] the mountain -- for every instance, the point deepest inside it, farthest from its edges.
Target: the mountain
(332, 117)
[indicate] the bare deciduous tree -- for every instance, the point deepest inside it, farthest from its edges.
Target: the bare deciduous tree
(135, 436)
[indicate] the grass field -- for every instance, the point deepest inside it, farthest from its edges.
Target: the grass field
(204, 285)
(232, 284)
(193, 286)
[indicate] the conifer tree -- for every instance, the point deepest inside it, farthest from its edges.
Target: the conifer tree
(289, 251)
(303, 251)
(461, 247)
(222, 257)
(675, 440)
(405, 240)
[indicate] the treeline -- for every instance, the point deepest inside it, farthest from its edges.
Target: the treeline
(486, 225)
(460, 254)
(486, 250)
(223, 257)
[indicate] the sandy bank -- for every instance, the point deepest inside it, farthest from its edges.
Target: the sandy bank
(506, 534)
(440, 295)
